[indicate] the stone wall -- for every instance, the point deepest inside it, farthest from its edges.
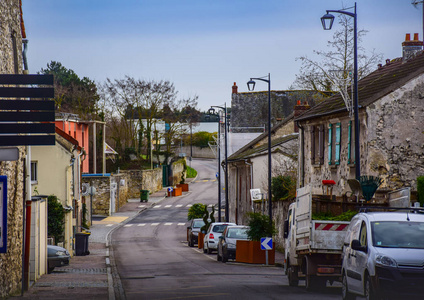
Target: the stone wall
(101, 200)
(11, 261)
(251, 109)
(198, 152)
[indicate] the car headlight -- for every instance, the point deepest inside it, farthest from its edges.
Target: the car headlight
(231, 246)
(195, 233)
(61, 253)
(386, 261)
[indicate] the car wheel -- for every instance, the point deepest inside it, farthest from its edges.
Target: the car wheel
(218, 257)
(292, 275)
(346, 295)
(209, 250)
(190, 242)
(50, 270)
(368, 289)
(224, 257)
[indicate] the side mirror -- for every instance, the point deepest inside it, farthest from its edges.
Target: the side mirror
(286, 229)
(356, 245)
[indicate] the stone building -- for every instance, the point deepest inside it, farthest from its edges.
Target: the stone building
(391, 118)
(11, 62)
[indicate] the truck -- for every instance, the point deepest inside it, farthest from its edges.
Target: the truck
(313, 247)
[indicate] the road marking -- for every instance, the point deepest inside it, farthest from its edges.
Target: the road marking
(141, 206)
(189, 205)
(128, 225)
(109, 225)
(141, 224)
(178, 205)
(166, 206)
(210, 205)
(154, 224)
(181, 224)
(168, 224)
(157, 206)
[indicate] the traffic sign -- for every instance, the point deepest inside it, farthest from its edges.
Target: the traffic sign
(170, 189)
(266, 243)
(217, 175)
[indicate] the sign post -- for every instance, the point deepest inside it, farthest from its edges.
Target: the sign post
(266, 244)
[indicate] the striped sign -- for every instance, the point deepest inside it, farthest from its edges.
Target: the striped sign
(331, 226)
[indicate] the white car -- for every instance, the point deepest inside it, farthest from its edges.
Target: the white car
(383, 255)
(211, 239)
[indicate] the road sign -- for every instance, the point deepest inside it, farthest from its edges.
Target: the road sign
(266, 243)
(170, 189)
(255, 194)
(217, 175)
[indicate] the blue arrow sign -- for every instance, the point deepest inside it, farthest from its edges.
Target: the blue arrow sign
(266, 243)
(217, 175)
(170, 189)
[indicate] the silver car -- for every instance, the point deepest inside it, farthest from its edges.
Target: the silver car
(210, 242)
(383, 255)
(228, 241)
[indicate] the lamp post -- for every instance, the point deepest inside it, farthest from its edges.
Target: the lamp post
(212, 111)
(327, 22)
(251, 87)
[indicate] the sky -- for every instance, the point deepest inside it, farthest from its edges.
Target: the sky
(202, 46)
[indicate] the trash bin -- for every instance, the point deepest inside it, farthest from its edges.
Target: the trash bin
(144, 195)
(81, 243)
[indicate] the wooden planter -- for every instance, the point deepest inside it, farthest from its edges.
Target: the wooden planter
(200, 240)
(250, 252)
(184, 186)
(176, 192)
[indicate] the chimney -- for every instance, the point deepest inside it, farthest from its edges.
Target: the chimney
(411, 48)
(235, 87)
(299, 109)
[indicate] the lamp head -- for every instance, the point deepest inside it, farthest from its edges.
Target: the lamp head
(251, 85)
(211, 111)
(327, 21)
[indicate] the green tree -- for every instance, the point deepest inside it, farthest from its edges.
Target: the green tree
(56, 218)
(283, 187)
(72, 93)
(196, 211)
(259, 226)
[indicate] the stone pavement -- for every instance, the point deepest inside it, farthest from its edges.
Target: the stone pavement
(94, 276)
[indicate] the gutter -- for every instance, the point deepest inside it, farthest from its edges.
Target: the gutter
(302, 155)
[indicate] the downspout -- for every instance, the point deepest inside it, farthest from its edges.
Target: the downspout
(302, 155)
(251, 179)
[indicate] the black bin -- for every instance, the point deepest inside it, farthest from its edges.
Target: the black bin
(81, 243)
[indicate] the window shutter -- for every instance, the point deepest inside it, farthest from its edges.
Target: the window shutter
(321, 144)
(330, 143)
(349, 143)
(313, 144)
(338, 143)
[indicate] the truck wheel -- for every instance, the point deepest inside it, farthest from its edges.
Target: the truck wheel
(292, 276)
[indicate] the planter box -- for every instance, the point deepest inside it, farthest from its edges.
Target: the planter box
(176, 192)
(184, 186)
(200, 240)
(250, 252)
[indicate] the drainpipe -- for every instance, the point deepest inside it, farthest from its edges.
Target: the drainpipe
(251, 178)
(301, 175)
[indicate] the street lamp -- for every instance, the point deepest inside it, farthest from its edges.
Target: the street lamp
(327, 22)
(251, 87)
(212, 112)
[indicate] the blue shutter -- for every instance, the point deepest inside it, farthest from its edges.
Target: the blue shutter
(349, 143)
(330, 143)
(338, 143)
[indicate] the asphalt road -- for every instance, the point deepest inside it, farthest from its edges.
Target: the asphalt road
(154, 261)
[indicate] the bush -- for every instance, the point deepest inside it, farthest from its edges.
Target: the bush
(259, 226)
(202, 138)
(420, 189)
(56, 218)
(196, 211)
(283, 187)
(191, 173)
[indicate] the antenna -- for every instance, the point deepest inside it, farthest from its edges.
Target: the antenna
(415, 4)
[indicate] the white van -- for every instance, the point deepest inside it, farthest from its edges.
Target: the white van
(383, 255)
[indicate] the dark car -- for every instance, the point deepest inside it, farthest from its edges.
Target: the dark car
(56, 257)
(193, 231)
(228, 241)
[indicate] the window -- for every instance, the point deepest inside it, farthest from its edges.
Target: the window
(334, 143)
(317, 144)
(34, 172)
(363, 235)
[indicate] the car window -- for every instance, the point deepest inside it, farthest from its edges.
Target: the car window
(198, 224)
(219, 228)
(352, 232)
(363, 234)
(237, 233)
(398, 234)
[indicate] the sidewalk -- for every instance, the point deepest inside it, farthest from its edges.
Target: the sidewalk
(91, 276)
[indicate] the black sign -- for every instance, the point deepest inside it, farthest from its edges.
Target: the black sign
(26, 114)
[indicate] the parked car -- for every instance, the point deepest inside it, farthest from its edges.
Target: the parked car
(193, 231)
(228, 241)
(215, 230)
(383, 255)
(56, 257)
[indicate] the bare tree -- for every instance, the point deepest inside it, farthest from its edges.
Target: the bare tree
(333, 69)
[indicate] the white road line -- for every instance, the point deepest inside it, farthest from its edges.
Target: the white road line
(166, 206)
(181, 224)
(128, 225)
(210, 205)
(154, 224)
(109, 225)
(178, 205)
(189, 205)
(141, 206)
(168, 224)
(157, 206)
(141, 224)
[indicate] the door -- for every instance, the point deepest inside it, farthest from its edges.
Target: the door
(358, 259)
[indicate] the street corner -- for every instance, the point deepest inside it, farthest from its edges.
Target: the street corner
(110, 220)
